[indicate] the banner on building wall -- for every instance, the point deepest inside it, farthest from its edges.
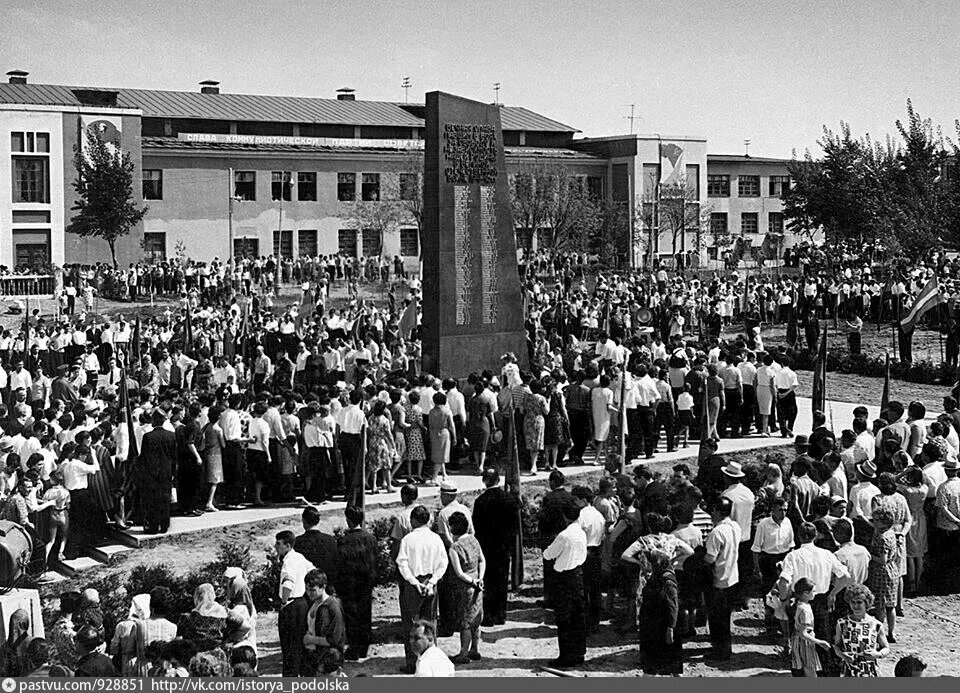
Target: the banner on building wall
(106, 128)
(672, 167)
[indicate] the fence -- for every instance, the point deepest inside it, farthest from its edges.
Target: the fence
(23, 285)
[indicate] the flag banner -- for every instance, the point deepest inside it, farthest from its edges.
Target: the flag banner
(705, 423)
(124, 398)
(885, 397)
(929, 297)
(818, 401)
(672, 166)
(135, 343)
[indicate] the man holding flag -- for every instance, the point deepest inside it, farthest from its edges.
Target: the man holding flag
(928, 298)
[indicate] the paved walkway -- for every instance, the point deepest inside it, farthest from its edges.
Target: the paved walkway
(842, 418)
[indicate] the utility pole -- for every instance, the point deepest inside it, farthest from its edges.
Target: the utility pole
(496, 93)
(231, 194)
(631, 117)
(406, 84)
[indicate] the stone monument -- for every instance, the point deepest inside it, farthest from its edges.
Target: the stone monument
(472, 305)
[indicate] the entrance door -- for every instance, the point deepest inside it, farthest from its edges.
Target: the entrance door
(283, 243)
(248, 248)
(33, 256)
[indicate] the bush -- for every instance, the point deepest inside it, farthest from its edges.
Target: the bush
(922, 371)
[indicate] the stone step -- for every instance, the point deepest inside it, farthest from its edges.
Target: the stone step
(51, 577)
(71, 567)
(123, 537)
(107, 552)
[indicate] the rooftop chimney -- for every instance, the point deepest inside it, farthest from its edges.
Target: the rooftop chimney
(209, 86)
(346, 94)
(17, 76)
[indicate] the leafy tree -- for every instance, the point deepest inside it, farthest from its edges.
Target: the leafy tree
(382, 215)
(105, 204)
(556, 206)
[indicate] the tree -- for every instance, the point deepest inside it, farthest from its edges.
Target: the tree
(105, 204)
(380, 215)
(556, 206)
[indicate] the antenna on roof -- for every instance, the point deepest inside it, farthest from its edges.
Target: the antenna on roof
(496, 93)
(746, 147)
(406, 84)
(631, 117)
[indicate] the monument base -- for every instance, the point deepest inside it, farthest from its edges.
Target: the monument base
(29, 601)
(468, 354)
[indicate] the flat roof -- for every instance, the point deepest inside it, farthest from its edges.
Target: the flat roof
(157, 103)
(745, 159)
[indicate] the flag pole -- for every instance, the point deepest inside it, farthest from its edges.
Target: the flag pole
(623, 419)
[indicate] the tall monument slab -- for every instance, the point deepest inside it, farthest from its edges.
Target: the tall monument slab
(472, 306)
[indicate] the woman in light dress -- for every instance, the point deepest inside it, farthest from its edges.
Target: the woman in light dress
(601, 405)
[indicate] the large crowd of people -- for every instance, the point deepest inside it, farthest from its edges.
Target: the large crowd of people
(232, 399)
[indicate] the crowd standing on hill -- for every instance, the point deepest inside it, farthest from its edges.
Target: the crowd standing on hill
(233, 400)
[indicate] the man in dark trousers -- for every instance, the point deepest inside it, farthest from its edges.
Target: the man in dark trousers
(495, 524)
(550, 523)
(318, 547)
(189, 470)
(155, 475)
(358, 563)
(567, 554)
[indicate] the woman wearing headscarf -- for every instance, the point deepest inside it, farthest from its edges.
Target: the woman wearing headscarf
(13, 657)
(204, 625)
(238, 591)
(154, 629)
(123, 646)
(661, 647)
(241, 628)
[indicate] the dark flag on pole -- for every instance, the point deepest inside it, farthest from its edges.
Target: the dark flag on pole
(793, 331)
(135, 344)
(819, 399)
(705, 424)
(885, 397)
(127, 410)
(26, 339)
(512, 485)
(188, 333)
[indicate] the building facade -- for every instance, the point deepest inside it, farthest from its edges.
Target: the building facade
(260, 175)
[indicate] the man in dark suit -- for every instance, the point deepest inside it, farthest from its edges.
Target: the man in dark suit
(551, 521)
(318, 547)
(358, 552)
(495, 524)
(155, 475)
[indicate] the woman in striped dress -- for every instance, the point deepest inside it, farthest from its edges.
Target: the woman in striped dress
(104, 484)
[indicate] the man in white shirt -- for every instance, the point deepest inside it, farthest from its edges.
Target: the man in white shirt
(647, 397)
(594, 526)
(457, 406)
(722, 546)
(350, 424)
(431, 660)
(569, 552)
(855, 558)
(292, 621)
(422, 561)
(743, 501)
(860, 507)
(819, 566)
(448, 506)
(772, 541)
(786, 383)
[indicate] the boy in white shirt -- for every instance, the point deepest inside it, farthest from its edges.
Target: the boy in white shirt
(685, 412)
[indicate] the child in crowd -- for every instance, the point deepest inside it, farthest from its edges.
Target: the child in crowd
(685, 413)
(58, 523)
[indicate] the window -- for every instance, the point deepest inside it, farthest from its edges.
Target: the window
(621, 182)
(281, 187)
(371, 243)
(779, 185)
(31, 216)
(693, 181)
(155, 246)
(283, 243)
(152, 184)
(409, 242)
(245, 185)
(307, 186)
(346, 187)
(307, 243)
(347, 241)
(718, 185)
(30, 142)
(775, 223)
(748, 186)
(595, 187)
(718, 224)
(409, 186)
(31, 248)
(371, 187)
(749, 223)
(31, 179)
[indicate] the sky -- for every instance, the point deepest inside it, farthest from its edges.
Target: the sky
(771, 72)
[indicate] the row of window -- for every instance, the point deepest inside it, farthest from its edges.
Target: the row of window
(155, 244)
(282, 184)
(749, 223)
(718, 185)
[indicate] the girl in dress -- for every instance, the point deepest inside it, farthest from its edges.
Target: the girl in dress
(858, 639)
(884, 575)
(803, 642)
(914, 489)
(601, 404)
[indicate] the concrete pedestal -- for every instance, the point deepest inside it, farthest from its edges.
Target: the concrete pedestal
(29, 601)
